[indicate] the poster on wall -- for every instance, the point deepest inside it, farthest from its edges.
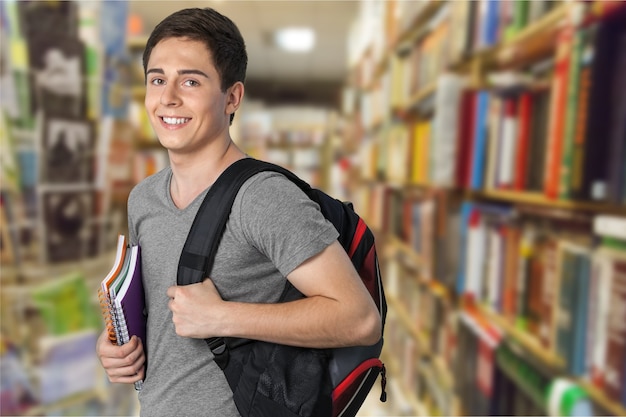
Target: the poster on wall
(59, 76)
(69, 227)
(68, 151)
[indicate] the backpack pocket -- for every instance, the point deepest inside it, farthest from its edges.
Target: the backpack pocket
(271, 380)
(349, 394)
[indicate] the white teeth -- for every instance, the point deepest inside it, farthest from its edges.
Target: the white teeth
(175, 120)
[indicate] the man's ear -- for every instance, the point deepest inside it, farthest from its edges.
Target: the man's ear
(234, 96)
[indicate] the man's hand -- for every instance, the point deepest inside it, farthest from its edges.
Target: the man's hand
(195, 309)
(123, 364)
(337, 310)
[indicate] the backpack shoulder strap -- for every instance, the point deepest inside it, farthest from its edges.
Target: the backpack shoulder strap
(198, 254)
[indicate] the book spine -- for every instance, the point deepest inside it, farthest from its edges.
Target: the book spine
(510, 286)
(507, 151)
(582, 112)
(557, 119)
(615, 379)
(581, 307)
(523, 141)
(617, 155)
(495, 123)
(465, 137)
(480, 145)
(598, 316)
(570, 110)
(538, 140)
(565, 322)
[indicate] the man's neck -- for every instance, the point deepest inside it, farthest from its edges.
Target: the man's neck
(192, 174)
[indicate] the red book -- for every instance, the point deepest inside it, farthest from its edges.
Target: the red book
(523, 141)
(557, 112)
(465, 139)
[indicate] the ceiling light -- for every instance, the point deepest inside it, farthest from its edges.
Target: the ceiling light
(295, 39)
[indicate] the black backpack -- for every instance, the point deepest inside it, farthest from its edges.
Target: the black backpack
(276, 380)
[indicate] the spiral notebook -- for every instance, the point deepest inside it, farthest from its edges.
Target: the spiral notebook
(121, 297)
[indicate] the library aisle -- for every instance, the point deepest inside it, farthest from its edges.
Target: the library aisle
(483, 142)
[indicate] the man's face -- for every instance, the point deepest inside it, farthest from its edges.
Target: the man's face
(185, 104)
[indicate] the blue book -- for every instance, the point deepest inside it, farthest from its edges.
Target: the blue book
(466, 210)
(481, 129)
(492, 23)
(581, 289)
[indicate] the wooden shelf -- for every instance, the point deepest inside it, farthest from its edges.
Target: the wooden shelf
(406, 321)
(396, 246)
(599, 397)
(419, 22)
(538, 199)
(421, 95)
(531, 43)
(528, 343)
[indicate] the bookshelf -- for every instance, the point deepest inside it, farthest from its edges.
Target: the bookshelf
(484, 211)
(58, 200)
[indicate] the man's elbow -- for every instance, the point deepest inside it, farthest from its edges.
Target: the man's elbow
(370, 329)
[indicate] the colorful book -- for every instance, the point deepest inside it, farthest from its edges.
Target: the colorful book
(122, 297)
(570, 110)
(557, 116)
(465, 138)
(615, 376)
(523, 140)
(477, 173)
(588, 35)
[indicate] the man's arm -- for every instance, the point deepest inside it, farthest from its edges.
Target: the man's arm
(337, 311)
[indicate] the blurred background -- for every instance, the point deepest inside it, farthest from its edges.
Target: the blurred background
(484, 142)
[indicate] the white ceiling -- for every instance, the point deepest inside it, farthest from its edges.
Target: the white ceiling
(256, 20)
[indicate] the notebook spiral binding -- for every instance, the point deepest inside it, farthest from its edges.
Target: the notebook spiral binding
(107, 313)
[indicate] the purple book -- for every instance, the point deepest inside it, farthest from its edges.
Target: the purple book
(130, 303)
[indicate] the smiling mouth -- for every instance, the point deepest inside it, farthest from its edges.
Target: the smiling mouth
(175, 120)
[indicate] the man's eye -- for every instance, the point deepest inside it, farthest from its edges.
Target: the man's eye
(157, 81)
(191, 83)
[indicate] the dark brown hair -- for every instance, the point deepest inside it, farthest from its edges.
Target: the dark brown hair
(220, 35)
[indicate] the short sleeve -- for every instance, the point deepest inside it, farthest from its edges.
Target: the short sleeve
(282, 222)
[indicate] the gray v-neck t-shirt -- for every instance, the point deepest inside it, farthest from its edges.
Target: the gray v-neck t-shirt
(272, 229)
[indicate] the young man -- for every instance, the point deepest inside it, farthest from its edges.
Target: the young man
(195, 63)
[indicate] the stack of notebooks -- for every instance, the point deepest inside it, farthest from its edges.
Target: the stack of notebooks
(122, 297)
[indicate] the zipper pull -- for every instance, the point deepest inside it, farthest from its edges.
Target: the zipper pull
(383, 384)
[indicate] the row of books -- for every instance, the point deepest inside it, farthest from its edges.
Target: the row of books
(550, 274)
(456, 362)
(437, 34)
(555, 127)
(414, 366)
(549, 278)
(122, 299)
(508, 381)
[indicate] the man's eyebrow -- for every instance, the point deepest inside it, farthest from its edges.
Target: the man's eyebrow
(180, 72)
(193, 71)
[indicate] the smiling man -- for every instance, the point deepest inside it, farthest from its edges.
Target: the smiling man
(195, 63)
